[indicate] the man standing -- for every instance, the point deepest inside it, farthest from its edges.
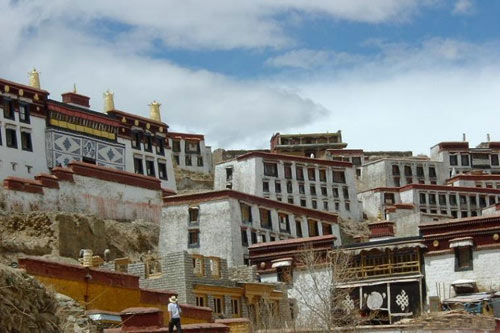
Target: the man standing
(174, 311)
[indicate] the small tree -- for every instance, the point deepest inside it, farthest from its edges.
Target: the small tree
(323, 302)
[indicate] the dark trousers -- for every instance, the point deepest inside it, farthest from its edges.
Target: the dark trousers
(177, 323)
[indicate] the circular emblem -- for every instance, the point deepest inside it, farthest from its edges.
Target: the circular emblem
(496, 237)
(21, 92)
(6, 88)
(435, 243)
(374, 301)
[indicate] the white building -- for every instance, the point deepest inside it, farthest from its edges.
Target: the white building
(190, 153)
(459, 158)
(393, 172)
(463, 250)
(22, 130)
(307, 182)
(224, 223)
(476, 180)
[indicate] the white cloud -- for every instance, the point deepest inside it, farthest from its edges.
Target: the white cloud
(215, 24)
(463, 7)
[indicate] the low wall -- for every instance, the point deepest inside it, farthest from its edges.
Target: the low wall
(89, 189)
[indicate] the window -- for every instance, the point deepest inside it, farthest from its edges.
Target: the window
(229, 174)
(422, 199)
(299, 172)
(314, 204)
(136, 140)
(397, 182)
(265, 218)
(253, 234)
(148, 142)
(277, 187)
(311, 174)
(153, 267)
(270, 169)
(176, 146)
(24, 114)
(298, 228)
(162, 170)
(337, 206)
(325, 205)
(312, 189)
(463, 258)
(176, 159)
(8, 109)
(201, 300)
(442, 199)
(389, 198)
(482, 201)
(395, 170)
(244, 237)
(327, 228)
(290, 200)
(194, 238)
(215, 267)
(194, 215)
(11, 137)
(313, 228)
(338, 177)
(138, 165)
(265, 186)
(192, 146)
(322, 175)
(452, 199)
(284, 222)
(432, 199)
(218, 305)
(150, 168)
(289, 187)
(288, 171)
(432, 172)
(303, 203)
(420, 171)
(494, 159)
(345, 192)
(301, 188)
(463, 200)
(263, 238)
(246, 213)
(323, 191)
(408, 172)
(235, 307)
(473, 201)
(198, 265)
(464, 159)
(347, 206)
(356, 161)
(335, 191)
(453, 160)
(26, 141)
(200, 161)
(188, 160)
(160, 146)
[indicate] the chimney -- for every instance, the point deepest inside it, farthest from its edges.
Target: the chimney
(109, 103)
(464, 139)
(34, 78)
(75, 98)
(488, 137)
(154, 111)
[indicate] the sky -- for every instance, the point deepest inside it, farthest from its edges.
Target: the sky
(390, 74)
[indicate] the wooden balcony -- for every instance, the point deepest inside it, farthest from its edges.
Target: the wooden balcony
(381, 270)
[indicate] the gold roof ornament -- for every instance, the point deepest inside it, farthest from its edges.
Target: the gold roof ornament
(379, 216)
(109, 103)
(154, 111)
(74, 88)
(34, 76)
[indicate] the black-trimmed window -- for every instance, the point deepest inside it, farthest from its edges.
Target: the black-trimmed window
(150, 168)
(26, 143)
(265, 218)
(11, 138)
(463, 258)
(284, 222)
(148, 142)
(244, 237)
(270, 169)
(453, 160)
(176, 146)
(162, 170)
(1, 136)
(8, 109)
(24, 113)
(160, 146)
(464, 159)
(277, 187)
(136, 139)
(200, 161)
(194, 238)
(138, 168)
(188, 160)
(194, 214)
(298, 228)
(494, 159)
(339, 177)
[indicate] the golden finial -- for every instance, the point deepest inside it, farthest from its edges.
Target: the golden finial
(74, 88)
(154, 111)
(34, 78)
(379, 216)
(109, 103)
